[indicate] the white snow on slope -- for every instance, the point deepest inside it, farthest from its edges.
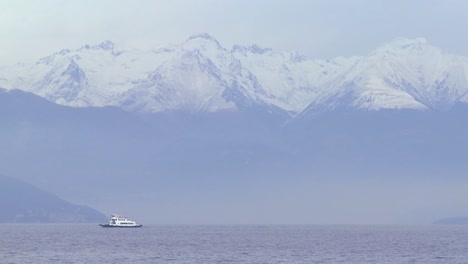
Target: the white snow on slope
(405, 73)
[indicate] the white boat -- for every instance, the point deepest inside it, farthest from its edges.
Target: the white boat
(120, 221)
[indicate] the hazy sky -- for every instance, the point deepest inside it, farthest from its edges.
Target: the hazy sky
(316, 28)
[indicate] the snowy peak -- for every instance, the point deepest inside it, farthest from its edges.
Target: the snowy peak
(192, 76)
(66, 85)
(432, 77)
(404, 44)
(105, 45)
(204, 36)
(252, 49)
(202, 40)
(415, 52)
(189, 81)
(403, 74)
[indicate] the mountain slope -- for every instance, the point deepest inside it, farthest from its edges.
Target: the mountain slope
(23, 203)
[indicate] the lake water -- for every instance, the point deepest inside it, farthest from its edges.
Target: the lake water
(233, 244)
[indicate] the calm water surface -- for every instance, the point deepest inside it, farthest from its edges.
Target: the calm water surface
(233, 244)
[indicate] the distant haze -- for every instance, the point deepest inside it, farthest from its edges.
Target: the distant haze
(344, 167)
(319, 29)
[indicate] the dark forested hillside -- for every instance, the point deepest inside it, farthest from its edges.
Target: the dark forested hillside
(23, 203)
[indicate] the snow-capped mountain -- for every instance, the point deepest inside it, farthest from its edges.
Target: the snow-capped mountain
(402, 74)
(201, 75)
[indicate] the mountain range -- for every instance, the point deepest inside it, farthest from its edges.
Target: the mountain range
(196, 133)
(200, 75)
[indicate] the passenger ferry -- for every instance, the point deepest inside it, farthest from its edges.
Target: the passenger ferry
(120, 221)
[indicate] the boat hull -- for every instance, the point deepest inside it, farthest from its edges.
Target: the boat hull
(119, 226)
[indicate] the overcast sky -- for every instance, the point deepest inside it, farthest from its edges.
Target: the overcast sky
(316, 28)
